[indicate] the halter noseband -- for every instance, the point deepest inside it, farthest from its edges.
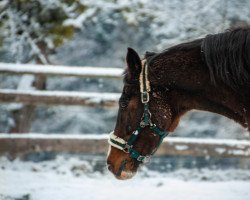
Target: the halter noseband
(127, 147)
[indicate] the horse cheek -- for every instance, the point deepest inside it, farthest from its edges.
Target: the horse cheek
(174, 124)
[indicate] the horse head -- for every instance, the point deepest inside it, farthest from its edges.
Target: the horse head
(162, 87)
(144, 116)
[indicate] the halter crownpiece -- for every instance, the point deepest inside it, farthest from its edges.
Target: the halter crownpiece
(144, 84)
(127, 146)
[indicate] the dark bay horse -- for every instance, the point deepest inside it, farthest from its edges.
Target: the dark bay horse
(210, 74)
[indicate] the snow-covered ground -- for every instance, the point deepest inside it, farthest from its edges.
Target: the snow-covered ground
(73, 178)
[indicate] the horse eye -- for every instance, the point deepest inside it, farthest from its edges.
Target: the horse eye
(123, 103)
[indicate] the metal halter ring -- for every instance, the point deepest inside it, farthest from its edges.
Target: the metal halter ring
(127, 148)
(144, 97)
(144, 159)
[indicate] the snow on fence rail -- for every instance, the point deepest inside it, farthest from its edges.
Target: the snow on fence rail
(59, 97)
(56, 70)
(20, 144)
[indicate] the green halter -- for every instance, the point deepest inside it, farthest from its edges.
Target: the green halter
(145, 122)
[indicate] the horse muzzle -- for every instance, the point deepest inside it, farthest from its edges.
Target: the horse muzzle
(120, 164)
(121, 174)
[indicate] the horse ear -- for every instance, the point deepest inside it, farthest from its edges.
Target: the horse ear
(134, 64)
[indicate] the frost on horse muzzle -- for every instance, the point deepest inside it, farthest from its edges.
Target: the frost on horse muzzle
(128, 146)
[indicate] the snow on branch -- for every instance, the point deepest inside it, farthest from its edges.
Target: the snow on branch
(78, 22)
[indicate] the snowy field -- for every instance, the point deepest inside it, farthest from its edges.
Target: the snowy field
(72, 178)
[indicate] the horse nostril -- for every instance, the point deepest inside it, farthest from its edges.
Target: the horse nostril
(122, 167)
(110, 168)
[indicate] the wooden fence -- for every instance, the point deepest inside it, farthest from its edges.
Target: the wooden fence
(18, 144)
(60, 97)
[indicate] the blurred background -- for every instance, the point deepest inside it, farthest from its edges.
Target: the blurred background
(97, 33)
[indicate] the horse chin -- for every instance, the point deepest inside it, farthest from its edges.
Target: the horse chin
(125, 175)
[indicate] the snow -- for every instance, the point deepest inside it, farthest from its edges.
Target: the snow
(94, 96)
(220, 150)
(228, 142)
(53, 136)
(61, 70)
(78, 22)
(26, 83)
(64, 179)
(48, 186)
(238, 152)
(181, 147)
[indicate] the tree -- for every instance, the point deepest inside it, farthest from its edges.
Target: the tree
(32, 30)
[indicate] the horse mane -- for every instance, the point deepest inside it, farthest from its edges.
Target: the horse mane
(227, 56)
(151, 56)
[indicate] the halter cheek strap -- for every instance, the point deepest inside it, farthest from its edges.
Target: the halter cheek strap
(127, 147)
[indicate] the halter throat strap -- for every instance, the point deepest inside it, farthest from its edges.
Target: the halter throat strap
(127, 146)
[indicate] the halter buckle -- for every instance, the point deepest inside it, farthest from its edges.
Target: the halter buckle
(146, 119)
(144, 159)
(145, 97)
(127, 148)
(142, 124)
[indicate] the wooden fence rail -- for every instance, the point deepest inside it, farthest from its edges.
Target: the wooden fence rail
(59, 98)
(33, 97)
(57, 70)
(19, 144)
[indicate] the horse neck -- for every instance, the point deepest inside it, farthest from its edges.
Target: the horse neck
(186, 78)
